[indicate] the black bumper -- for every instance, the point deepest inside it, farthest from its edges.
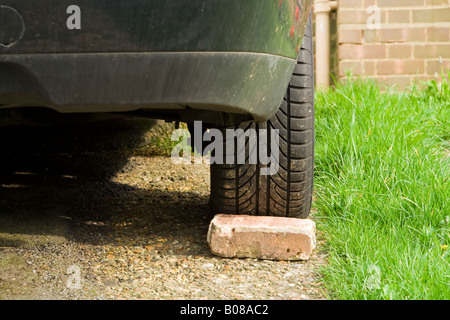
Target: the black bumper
(234, 82)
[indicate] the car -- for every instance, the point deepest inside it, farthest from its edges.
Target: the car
(228, 64)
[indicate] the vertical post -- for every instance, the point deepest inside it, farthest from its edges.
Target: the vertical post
(322, 9)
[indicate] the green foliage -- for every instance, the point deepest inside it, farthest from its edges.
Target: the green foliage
(160, 139)
(437, 90)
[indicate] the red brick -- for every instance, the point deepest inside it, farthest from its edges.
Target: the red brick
(393, 35)
(400, 3)
(432, 51)
(350, 52)
(352, 16)
(399, 16)
(424, 51)
(436, 2)
(366, 51)
(261, 237)
(357, 16)
(399, 51)
(370, 35)
(350, 36)
(443, 50)
(355, 67)
(399, 81)
(401, 67)
(441, 34)
(416, 34)
(431, 15)
(436, 66)
(374, 51)
(350, 3)
(370, 67)
(401, 34)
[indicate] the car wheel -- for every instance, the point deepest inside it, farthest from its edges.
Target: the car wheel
(242, 189)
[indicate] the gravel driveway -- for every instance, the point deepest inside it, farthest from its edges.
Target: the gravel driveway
(85, 216)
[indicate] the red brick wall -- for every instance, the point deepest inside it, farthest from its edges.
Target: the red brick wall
(412, 40)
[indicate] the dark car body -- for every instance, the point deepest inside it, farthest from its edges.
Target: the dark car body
(220, 61)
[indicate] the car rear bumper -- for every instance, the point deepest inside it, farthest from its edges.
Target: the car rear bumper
(242, 83)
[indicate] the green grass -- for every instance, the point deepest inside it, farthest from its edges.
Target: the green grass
(382, 190)
(160, 140)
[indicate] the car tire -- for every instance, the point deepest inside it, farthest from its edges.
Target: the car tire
(242, 189)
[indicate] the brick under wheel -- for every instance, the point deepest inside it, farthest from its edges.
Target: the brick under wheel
(242, 189)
